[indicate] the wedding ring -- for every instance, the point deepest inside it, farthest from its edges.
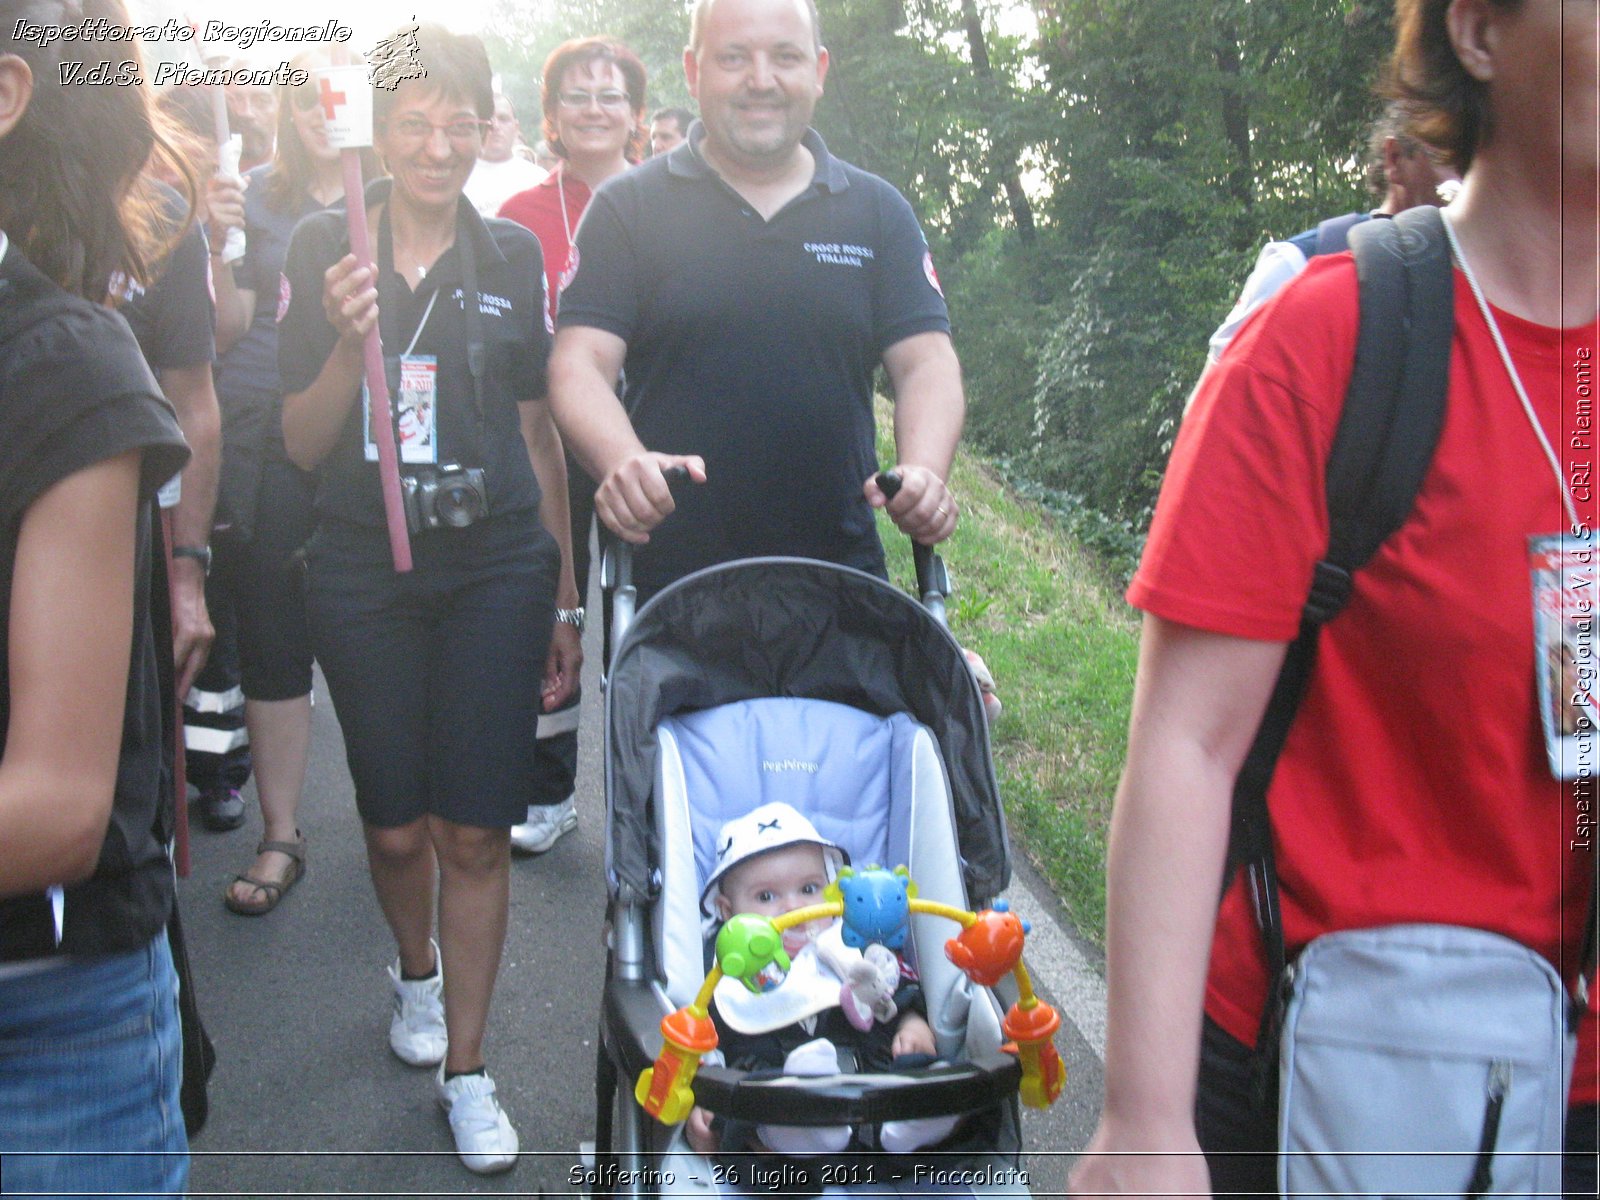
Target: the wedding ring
(942, 511)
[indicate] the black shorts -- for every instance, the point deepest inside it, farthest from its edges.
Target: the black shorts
(261, 580)
(435, 674)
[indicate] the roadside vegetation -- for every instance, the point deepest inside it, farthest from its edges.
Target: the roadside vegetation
(1048, 620)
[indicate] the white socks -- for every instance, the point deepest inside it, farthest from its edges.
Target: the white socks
(819, 1057)
(901, 1137)
(814, 1058)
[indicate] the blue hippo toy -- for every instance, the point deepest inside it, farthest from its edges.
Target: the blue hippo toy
(877, 905)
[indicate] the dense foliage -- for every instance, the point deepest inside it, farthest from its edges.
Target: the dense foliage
(1094, 175)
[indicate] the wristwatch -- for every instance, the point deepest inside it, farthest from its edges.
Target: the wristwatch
(571, 616)
(201, 555)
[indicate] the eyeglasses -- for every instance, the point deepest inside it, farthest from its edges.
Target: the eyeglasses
(305, 96)
(576, 101)
(414, 131)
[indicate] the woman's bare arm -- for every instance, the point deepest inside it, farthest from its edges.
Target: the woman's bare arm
(71, 632)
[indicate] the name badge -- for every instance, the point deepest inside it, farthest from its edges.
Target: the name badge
(1566, 645)
(418, 398)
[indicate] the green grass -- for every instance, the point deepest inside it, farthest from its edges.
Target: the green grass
(1062, 646)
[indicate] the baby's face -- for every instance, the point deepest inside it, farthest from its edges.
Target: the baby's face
(777, 882)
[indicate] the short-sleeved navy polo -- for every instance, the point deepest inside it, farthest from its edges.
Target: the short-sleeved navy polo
(173, 319)
(754, 343)
(511, 301)
(247, 375)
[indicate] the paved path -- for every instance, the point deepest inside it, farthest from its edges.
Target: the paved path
(307, 1099)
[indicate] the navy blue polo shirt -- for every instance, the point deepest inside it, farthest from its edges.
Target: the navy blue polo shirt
(247, 375)
(754, 343)
(511, 303)
(173, 319)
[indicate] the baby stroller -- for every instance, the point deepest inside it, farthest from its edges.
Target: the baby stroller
(823, 686)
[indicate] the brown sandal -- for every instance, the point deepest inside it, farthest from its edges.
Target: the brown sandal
(272, 891)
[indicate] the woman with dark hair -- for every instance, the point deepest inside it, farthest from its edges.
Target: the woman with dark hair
(264, 512)
(90, 1046)
(434, 672)
(593, 97)
(1414, 786)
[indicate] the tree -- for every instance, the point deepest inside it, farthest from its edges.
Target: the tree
(1186, 134)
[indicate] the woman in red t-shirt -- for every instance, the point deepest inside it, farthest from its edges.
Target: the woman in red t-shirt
(1414, 786)
(593, 99)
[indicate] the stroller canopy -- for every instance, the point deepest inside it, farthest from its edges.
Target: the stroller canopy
(793, 627)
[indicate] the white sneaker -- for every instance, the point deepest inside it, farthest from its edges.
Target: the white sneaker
(416, 1031)
(545, 824)
(484, 1137)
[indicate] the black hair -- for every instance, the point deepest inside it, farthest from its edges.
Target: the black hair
(71, 195)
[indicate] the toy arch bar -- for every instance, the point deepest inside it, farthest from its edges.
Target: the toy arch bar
(875, 906)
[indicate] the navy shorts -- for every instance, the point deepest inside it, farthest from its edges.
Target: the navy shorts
(435, 674)
(261, 580)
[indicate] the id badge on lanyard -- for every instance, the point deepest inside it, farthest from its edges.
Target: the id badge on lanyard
(415, 391)
(1566, 640)
(416, 411)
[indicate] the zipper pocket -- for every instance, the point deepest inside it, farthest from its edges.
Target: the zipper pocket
(1499, 1085)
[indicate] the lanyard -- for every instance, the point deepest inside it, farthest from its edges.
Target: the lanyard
(1511, 370)
(469, 300)
(566, 223)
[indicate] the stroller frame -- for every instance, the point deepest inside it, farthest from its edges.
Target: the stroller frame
(899, 658)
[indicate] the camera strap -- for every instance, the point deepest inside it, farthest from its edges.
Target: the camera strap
(476, 353)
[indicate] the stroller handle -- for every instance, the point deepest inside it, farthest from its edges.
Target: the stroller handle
(933, 581)
(616, 565)
(616, 568)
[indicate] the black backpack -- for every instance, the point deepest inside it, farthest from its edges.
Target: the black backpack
(1393, 412)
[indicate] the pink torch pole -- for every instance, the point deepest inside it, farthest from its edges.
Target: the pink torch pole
(379, 414)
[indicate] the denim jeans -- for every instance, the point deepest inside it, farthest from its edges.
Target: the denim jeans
(90, 1065)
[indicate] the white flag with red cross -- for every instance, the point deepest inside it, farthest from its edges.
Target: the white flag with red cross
(345, 97)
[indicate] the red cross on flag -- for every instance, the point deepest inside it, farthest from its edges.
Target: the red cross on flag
(346, 99)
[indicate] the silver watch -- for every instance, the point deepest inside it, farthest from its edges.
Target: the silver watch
(571, 616)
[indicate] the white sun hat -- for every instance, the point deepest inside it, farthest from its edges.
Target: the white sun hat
(770, 827)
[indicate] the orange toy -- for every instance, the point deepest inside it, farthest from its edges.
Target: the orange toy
(1030, 1026)
(665, 1090)
(990, 948)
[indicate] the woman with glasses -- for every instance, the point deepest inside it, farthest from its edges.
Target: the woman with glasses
(593, 98)
(264, 502)
(434, 672)
(90, 1042)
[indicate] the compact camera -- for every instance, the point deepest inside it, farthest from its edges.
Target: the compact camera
(451, 497)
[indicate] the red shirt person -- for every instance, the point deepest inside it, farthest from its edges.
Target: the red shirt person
(594, 121)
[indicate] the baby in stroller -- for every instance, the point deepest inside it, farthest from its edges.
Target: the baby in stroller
(835, 1009)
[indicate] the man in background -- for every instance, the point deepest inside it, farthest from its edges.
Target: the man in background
(253, 115)
(667, 128)
(1401, 172)
(501, 172)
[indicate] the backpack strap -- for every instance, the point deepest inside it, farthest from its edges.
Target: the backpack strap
(1393, 412)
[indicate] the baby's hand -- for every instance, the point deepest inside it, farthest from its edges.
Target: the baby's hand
(915, 1036)
(697, 1129)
